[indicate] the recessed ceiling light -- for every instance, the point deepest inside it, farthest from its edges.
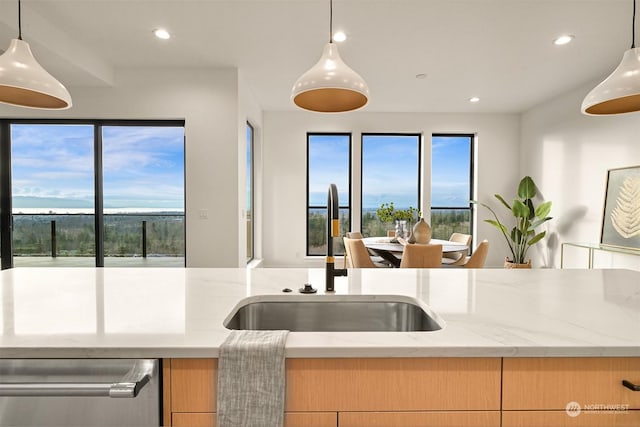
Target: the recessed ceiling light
(564, 39)
(161, 33)
(339, 36)
(474, 99)
(421, 76)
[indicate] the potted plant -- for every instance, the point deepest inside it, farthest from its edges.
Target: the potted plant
(527, 218)
(388, 213)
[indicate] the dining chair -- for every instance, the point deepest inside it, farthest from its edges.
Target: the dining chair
(457, 258)
(357, 254)
(391, 233)
(478, 257)
(351, 235)
(421, 256)
(377, 260)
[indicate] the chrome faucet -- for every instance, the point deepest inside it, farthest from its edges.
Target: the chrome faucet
(333, 230)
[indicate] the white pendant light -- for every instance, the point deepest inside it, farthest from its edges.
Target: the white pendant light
(620, 92)
(330, 86)
(23, 81)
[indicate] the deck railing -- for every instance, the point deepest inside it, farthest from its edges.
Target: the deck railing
(125, 235)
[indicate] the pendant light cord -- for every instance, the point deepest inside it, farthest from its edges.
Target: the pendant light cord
(20, 21)
(331, 20)
(633, 27)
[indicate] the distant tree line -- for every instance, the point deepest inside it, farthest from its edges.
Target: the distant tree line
(443, 224)
(75, 235)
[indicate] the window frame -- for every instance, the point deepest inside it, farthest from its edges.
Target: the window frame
(251, 211)
(6, 213)
(470, 208)
(341, 206)
(419, 164)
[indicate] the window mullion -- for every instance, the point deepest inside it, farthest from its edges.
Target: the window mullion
(98, 194)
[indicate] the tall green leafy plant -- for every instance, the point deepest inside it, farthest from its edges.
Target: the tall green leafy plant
(527, 217)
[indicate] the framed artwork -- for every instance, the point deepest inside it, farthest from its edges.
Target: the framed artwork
(621, 218)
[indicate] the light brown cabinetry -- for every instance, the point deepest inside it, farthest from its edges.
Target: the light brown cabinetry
(316, 419)
(425, 392)
(420, 419)
(561, 419)
(402, 384)
(328, 392)
(536, 391)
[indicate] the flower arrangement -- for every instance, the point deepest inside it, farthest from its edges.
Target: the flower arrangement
(388, 213)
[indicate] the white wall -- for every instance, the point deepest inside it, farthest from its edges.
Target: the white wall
(208, 101)
(568, 154)
(284, 139)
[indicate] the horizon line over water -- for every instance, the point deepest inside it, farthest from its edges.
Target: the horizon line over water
(91, 211)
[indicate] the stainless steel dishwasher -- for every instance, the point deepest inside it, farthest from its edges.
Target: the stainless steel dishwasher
(79, 392)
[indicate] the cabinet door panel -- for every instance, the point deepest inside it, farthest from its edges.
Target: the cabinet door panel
(420, 419)
(561, 419)
(299, 419)
(310, 419)
(193, 385)
(401, 384)
(193, 420)
(551, 383)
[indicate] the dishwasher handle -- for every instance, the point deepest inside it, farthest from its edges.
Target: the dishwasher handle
(128, 387)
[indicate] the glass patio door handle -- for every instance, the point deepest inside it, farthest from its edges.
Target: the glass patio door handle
(127, 387)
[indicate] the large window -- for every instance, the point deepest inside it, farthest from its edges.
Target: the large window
(249, 194)
(451, 184)
(87, 193)
(390, 174)
(328, 162)
(143, 195)
(53, 193)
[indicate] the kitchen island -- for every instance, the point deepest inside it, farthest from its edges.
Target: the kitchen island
(128, 312)
(516, 348)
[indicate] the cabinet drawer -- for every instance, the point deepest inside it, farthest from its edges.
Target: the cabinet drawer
(193, 420)
(402, 384)
(420, 419)
(551, 383)
(300, 419)
(561, 419)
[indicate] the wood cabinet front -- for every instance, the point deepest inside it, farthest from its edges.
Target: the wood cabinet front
(420, 419)
(402, 384)
(319, 389)
(552, 383)
(311, 419)
(562, 419)
(424, 392)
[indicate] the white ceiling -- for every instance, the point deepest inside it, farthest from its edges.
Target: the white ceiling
(498, 50)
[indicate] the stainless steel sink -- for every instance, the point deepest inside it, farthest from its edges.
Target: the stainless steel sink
(331, 313)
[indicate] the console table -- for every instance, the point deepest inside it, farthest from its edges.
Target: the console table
(592, 247)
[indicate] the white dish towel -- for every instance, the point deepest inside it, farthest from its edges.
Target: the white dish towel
(251, 379)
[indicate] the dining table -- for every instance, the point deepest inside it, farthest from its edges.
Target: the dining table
(391, 250)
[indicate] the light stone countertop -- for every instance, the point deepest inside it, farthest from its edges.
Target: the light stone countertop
(174, 312)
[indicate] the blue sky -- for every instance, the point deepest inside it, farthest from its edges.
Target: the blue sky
(450, 168)
(328, 164)
(143, 166)
(390, 170)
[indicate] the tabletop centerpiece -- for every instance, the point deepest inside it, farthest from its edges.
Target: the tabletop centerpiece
(402, 218)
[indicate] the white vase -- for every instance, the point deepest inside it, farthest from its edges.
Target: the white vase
(422, 232)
